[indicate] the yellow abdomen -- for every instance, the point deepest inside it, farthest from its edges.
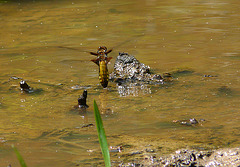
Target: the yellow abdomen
(103, 74)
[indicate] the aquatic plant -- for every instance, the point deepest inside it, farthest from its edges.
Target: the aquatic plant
(20, 158)
(101, 135)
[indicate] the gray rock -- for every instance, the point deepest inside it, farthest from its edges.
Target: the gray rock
(128, 69)
(133, 77)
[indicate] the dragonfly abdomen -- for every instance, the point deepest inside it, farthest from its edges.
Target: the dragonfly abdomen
(103, 74)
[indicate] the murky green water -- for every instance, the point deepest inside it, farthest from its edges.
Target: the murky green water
(47, 44)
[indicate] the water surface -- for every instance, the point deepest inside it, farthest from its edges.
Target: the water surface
(47, 44)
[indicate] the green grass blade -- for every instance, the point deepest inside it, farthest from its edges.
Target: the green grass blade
(101, 136)
(20, 158)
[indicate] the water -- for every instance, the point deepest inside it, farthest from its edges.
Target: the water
(47, 44)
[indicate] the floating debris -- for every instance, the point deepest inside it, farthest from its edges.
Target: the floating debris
(116, 149)
(15, 77)
(86, 126)
(190, 122)
(209, 76)
(82, 100)
(25, 87)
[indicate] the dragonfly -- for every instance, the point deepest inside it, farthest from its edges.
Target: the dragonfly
(102, 60)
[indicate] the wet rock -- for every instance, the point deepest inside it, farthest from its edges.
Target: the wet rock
(133, 77)
(224, 157)
(128, 69)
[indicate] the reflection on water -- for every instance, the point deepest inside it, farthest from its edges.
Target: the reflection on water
(133, 89)
(47, 45)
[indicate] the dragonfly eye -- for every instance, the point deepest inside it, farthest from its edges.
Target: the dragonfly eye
(102, 48)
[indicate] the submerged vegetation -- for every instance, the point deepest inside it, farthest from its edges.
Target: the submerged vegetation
(20, 158)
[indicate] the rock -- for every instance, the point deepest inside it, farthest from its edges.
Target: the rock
(132, 77)
(128, 69)
(224, 157)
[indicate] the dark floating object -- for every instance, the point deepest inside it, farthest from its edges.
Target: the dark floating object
(82, 100)
(25, 87)
(102, 60)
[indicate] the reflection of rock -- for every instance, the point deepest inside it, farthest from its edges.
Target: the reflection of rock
(132, 76)
(133, 89)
